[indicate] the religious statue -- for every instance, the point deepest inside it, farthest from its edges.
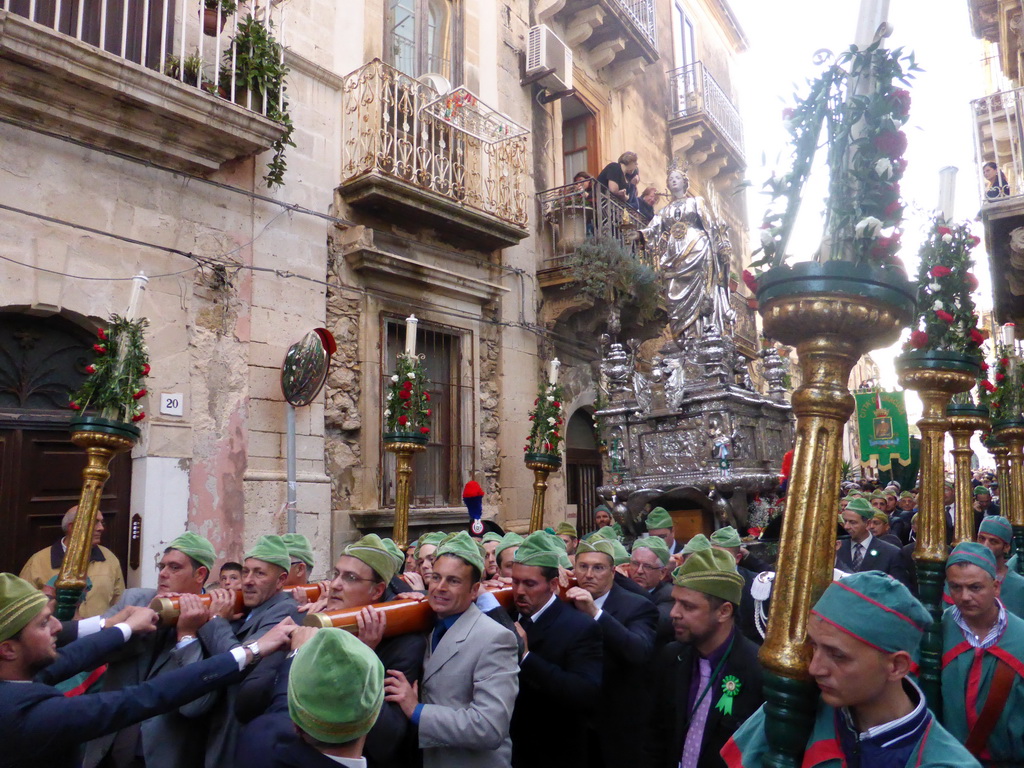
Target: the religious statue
(693, 252)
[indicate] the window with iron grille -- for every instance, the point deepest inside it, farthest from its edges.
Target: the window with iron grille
(440, 472)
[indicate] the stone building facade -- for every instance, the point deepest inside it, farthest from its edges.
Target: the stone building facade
(398, 198)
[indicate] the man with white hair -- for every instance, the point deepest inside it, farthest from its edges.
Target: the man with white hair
(104, 568)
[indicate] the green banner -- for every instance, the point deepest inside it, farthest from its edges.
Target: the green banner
(882, 428)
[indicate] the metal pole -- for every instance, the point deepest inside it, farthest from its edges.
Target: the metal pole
(292, 503)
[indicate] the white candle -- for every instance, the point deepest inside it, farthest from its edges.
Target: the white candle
(138, 286)
(553, 371)
(947, 192)
(1008, 332)
(872, 14)
(410, 335)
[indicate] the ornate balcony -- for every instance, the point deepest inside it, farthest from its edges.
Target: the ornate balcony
(704, 121)
(451, 164)
(571, 215)
(110, 73)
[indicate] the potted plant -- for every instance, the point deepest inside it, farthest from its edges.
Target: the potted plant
(253, 74)
(215, 15)
(192, 71)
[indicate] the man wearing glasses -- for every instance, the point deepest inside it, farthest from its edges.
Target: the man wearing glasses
(361, 575)
(628, 625)
(648, 567)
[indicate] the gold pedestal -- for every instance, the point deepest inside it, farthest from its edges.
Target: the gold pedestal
(962, 427)
(1011, 498)
(1001, 453)
(404, 451)
(542, 464)
(100, 448)
(936, 386)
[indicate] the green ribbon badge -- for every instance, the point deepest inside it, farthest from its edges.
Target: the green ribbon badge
(730, 689)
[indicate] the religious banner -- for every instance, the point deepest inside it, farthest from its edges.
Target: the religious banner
(882, 428)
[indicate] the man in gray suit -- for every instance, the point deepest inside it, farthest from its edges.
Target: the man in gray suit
(864, 552)
(470, 670)
(264, 573)
(171, 740)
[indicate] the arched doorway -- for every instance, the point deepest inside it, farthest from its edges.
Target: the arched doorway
(582, 468)
(42, 360)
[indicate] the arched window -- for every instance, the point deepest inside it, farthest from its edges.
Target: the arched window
(424, 36)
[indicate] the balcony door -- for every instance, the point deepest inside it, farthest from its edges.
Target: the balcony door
(422, 36)
(579, 139)
(683, 40)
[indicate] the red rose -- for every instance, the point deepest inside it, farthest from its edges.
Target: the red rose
(74, 406)
(1004, 361)
(971, 281)
(557, 404)
(139, 395)
(403, 420)
(918, 339)
(984, 365)
(139, 416)
(940, 271)
(973, 241)
(945, 231)
(407, 386)
(145, 369)
(404, 394)
(102, 334)
(988, 385)
(548, 447)
(1000, 376)
(425, 430)
(944, 316)
(900, 100)
(426, 396)
(977, 337)
(90, 369)
(750, 281)
(99, 349)
(429, 412)
(893, 209)
(900, 165)
(892, 144)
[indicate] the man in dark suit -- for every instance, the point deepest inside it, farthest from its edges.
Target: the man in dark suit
(648, 567)
(361, 575)
(862, 551)
(264, 573)
(628, 624)
(708, 682)
(659, 523)
(728, 540)
(560, 672)
(41, 727)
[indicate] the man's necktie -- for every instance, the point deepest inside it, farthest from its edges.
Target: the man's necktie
(695, 733)
(858, 556)
(439, 631)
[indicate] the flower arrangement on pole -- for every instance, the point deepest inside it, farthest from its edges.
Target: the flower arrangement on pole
(407, 409)
(116, 383)
(947, 320)
(1004, 393)
(546, 433)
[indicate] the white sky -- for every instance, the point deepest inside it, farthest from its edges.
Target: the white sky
(783, 39)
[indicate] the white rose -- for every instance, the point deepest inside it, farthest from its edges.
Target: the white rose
(947, 238)
(411, 375)
(395, 378)
(883, 167)
(387, 412)
(552, 420)
(868, 227)
(551, 398)
(937, 306)
(934, 287)
(766, 238)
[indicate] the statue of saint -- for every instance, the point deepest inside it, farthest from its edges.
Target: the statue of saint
(693, 253)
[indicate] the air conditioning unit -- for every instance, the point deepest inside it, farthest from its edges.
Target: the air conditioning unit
(544, 51)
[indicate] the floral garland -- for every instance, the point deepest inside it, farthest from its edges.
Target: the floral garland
(407, 404)
(546, 432)
(1005, 396)
(947, 318)
(865, 158)
(115, 385)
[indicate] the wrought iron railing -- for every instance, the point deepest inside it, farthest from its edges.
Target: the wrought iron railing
(999, 139)
(695, 92)
(387, 130)
(641, 13)
(585, 210)
(182, 39)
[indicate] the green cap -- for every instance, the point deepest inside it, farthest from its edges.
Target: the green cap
(335, 687)
(973, 554)
(619, 553)
(658, 519)
(656, 545)
(713, 572)
(877, 610)
(981, 490)
(566, 528)
(491, 536)
(906, 495)
(727, 537)
(877, 495)
(196, 547)
(372, 550)
(541, 549)
(608, 532)
(299, 548)
(880, 515)
(396, 552)
(890, 492)
(862, 508)
(510, 539)
(603, 546)
(434, 538)
(271, 549)
(996, 525)
(462, 546)
(698, 543)
(20, 602)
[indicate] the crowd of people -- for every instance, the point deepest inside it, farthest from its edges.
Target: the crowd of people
(622, 179)
(549, 649)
